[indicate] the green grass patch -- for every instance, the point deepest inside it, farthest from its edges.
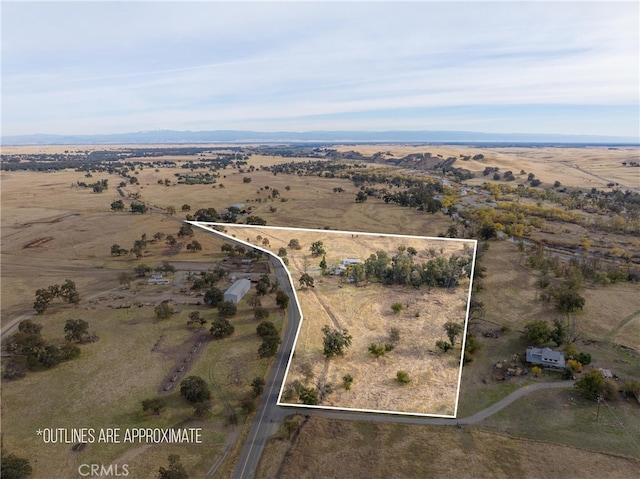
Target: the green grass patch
(571, 419)
(480, 398)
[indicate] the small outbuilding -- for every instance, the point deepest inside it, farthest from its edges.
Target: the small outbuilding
(348, 261)
(545, 357)
(237, 290)
(606, 373)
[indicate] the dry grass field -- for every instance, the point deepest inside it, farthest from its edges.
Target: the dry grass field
(366, 313)
(392, 450)
(85, 393)
(52, 230)
(586, 167)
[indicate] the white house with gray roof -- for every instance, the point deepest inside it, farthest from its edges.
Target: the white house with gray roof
(545, 357)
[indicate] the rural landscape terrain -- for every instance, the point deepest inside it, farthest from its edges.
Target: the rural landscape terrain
(114, 315)
(361, 287)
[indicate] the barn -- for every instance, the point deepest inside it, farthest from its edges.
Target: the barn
(237, 290)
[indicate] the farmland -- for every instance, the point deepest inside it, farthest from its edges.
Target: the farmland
(340, 301)
(54, 229)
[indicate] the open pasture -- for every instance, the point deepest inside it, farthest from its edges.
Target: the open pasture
(430, 451)
(365, 311)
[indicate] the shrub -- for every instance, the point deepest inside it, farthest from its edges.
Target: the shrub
(227, 308)
(194, 389)
(584, 358)
(377, 350)
(403, 377)
(347, 380)
(574, 365)
(444, 345)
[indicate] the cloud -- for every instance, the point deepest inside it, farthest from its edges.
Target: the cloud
(170, 65)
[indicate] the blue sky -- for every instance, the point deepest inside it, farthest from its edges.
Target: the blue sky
(527, 67)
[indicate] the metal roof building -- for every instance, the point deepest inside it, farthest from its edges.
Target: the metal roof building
(545, 357)
(237, 290)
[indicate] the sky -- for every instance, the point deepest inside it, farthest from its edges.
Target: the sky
(497, 67)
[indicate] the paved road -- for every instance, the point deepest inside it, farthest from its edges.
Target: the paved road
(269, 414)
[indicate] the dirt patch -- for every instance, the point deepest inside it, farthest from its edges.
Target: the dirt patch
(185, 355)
(37, 243)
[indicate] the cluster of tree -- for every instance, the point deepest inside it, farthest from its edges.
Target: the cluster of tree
(317, 248)
(335, 341)
(490, 169)
(257, 385)
(30, 351)
(233, 250)
(208, 279)
(139, 246)
(361, 196)
(306, 280)
(197, 178)
(195, 318)
(175, 470)
(447, 169)
(110, 161)
(270, 339)
(593, 385)
(194, 246)
(67, 292)
(300, 392)
(575, 359)
(205, 214)
(539, 332)
(117, 250)
(117, 205)
(226, 309)
(14, 467)
(220, 326)
(249, 401)
(294, 244)
(327, 169)
(97, 187)
(453, 330)
(138, 207)
(545, 212)
(163, 310)
(471, 345)
(263, 285)
(402, 269)
(164, 267)
(420, 197)
(195, 390)
(565, 295)
(213, 296)
(256, 220)
(590, 268)
(185, 231)
(155, 405)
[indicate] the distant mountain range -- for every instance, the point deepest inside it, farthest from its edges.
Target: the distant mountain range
(235, 136)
